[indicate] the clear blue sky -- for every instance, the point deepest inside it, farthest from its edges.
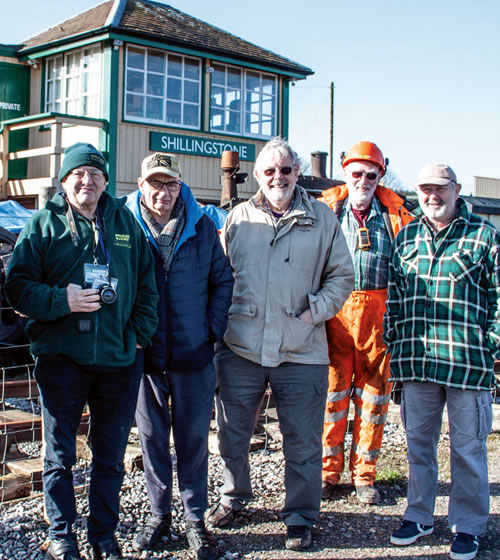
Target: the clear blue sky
(421, 78)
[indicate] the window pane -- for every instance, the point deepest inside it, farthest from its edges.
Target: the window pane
(233, 78)
(219, 75)
(267, 107)
(253, 81)
(155, 84)
(173, 112)
(191, 92)
(191, 115)
(174, 66)
(134, 106)
(268, 86)
(135, 81)
(156, 62)
(218, 97)
(154, 108)
(192, 69)
(174, 88)
(234, 122)
(217, 119)
(267, 128)
(233, 98)
(135, 58)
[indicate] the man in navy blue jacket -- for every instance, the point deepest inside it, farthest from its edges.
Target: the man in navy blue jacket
(195, 284)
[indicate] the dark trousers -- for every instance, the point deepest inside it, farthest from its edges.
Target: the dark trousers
(111, 394)
(191, 394)
(300, 394)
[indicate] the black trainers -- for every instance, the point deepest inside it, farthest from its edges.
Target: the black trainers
(464, 547)
(220, 515)
(106, 549)
(201, 541)
(62, 549)
(298, 537)
(409, 532)
(156, 527)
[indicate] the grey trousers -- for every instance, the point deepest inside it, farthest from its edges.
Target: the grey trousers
(300, 394)
(470, 420)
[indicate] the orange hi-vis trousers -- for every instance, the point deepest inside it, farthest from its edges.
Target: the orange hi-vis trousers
(359, 366)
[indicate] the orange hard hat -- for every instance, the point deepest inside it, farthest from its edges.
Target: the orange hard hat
(364, 151)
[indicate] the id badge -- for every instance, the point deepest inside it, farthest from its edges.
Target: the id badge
(95, 275)
(363, 239)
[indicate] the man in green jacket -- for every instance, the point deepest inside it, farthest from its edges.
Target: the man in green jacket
(83, 274)
(442, 330)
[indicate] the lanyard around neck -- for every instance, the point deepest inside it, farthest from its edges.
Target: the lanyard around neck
(101, 232)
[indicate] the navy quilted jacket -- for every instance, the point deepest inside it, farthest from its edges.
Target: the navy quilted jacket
(195, 298)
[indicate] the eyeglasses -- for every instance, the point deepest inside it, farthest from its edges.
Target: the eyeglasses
(371, 175)
(96, 175)
(272, 170)
(172, 186)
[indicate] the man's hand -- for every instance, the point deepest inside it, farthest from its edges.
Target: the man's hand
(83, 301)
(306, 316)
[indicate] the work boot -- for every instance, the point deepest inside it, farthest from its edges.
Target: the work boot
(156, 527)
(107, 549)
(201, 541)
(220, 515)
(327, 490)
(367, 494)
(62, 549)
(298, 537)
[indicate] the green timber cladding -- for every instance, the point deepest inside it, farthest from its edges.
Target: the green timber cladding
(155, 79)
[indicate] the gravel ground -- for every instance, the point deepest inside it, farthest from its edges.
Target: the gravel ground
(344, 529)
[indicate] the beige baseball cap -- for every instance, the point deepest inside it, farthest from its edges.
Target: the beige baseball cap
(160, 162)
(435, 174)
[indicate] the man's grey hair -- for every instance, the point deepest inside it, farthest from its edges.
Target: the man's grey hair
(280, 145)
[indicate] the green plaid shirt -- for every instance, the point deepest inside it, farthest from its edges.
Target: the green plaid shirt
(371, 266)
(442, 320)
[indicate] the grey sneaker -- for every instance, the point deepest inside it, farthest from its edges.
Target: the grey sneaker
(156, 527)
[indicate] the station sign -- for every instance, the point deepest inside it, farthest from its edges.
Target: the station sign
(198, 145)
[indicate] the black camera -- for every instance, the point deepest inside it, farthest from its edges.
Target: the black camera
(107, 294)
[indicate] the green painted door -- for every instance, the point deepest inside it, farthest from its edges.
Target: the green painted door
(14, 103)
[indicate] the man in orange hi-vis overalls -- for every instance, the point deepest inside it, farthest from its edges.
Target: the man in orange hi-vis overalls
(370, 215)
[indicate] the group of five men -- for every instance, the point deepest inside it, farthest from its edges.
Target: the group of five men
(137, 299)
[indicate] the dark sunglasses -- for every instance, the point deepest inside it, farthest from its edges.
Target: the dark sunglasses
(371, 175)
(272, 170)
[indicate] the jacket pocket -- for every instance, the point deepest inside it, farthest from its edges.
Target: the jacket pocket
(241, 326)
(297, 335)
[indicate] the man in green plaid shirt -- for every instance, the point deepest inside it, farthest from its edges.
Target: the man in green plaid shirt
(442, 330)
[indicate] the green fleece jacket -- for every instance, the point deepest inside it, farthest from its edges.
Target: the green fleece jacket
(45, 261)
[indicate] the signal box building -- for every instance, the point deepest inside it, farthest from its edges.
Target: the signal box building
(132, 77)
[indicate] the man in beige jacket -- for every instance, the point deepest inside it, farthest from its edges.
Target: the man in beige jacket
(292, 272)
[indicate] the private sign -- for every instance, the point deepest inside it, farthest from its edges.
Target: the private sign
(199, 146)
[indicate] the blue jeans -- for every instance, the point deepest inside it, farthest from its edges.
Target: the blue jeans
(111, 393)
(191, 394)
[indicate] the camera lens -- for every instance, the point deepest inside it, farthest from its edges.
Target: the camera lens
(108, 294)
